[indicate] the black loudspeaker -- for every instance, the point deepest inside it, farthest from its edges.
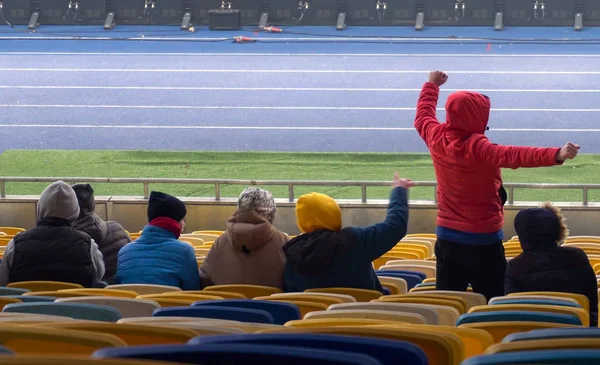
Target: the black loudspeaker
(16, 11)
(224, 19)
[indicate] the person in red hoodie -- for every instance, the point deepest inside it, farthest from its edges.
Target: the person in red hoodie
(470, 195)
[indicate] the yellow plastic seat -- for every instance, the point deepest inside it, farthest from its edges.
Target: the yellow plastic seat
(5, 301)
(192, 297)
(335, 322)
(143, 289)
(343, 297)
(429, 271)
(196, 242)
(11, 231)
(44, 285)
(37, 340)
(133, 334)
(201, 251)
(305, 306)
(383, 315)
(499, 330)
(459, 307)
(441, 348)
(393, 288)
(74, 360)
(200, 328)
(546, 344)
(573, 239)
(425, 235)
(222, 294)
(306, 298)
(128, 307)
(166, 302)
(422, 262)
(422, 250)
(398, 283)
(203, 236)
(582, 314)
(428, 243)
(581, 299)
(58, 294)
(429, 280)
(383, 260)
(216, 233)
(249, 291)
(471, 299)
(361, 295)
(404, 254)
(117, 293)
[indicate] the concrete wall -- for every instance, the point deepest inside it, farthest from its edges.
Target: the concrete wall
(20, 211)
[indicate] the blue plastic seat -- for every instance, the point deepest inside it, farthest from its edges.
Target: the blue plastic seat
(215, 312)
(281, 312)
(231, 354)
(74, 310)
(545, 357)
(387, 352)
(518, 316)
(535, 301)
(31, 298)
(553, 333)
(424, 285)
(411, 280)
(423, 276)
(12, 291)
(5, 351)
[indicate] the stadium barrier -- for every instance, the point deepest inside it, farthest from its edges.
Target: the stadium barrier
(213, 211)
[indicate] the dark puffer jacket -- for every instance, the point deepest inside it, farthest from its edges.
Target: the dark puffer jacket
(110, 236)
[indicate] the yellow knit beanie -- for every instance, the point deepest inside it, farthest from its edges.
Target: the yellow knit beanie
(316, 211)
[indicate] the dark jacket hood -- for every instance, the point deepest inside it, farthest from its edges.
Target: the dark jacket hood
(312, 254)
(467, 113)
(85, 198)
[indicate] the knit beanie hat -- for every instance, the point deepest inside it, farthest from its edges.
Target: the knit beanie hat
(315, 211)
(259, 200)
(537, 227)
(85, 197)
(165, 205)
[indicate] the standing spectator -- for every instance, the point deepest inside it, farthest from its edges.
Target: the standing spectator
(470, 194)
(325, 255)
(157, 257)
(109, 236)
(249, 252)
(544, 265)
(53, 250)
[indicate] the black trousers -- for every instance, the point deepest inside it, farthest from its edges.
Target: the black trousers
(459, 265)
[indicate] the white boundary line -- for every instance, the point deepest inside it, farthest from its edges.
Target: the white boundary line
(318, 128)
(237, 107)
(280, 71)
(196, 54)
(208, 88)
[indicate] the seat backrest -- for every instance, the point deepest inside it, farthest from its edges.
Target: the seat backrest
(281, 312)
(143, 289)
(427, 270)
(361, 295)
(518, 316)
(472, 299)
(500, 330)
(344, 297)
(583, 316)
(12, 291)
(249, 291)
(417, 273)
(430, 315)
(73, 310)
(534, 301)
(553, 333)
(545, 344)
(571, 357)
(127, 307)
(229, 313)
(32, 298)
(213, 354)
(43, 285)
(581, 299)
(410, 279)
(399, 282)
(413, 318)
(385, 351)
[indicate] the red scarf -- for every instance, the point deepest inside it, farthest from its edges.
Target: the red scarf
(169, 224)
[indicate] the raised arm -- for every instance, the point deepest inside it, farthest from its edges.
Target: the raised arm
(516, 157)
(426, 118)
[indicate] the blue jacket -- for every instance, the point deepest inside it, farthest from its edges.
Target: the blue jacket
(343, 259)
(158, 258)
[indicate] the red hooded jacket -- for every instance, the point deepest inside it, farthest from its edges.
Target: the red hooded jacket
(467, 165)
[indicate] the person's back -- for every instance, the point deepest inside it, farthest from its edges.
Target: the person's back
(53, 250)
(110, 236)
(157, 257)
(470, 194)
(250, 250)
(546, 266)
(325, 255)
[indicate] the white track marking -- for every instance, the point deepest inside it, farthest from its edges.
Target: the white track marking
(249, 107)
(319, 128)
(201, 88)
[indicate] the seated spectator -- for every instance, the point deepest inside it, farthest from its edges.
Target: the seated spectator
(53, 250)
(325, 255)
(109, 236)
(157, 257)
(249, 252)
(544, 265)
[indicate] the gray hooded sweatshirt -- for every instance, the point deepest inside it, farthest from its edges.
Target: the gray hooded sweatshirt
(58, 200)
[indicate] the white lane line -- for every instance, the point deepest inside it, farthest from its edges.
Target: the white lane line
(201, 88)
(279, 71)
(196, 54)
(250, 107)
(318, 128)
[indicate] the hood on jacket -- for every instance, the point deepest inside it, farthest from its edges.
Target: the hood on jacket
(540, 227)
(85, 197)
(58, 200)
(312, 254)
(93, 225)
(467, 112)
(249, 230)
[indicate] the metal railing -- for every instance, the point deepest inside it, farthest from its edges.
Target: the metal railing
(291, 184)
